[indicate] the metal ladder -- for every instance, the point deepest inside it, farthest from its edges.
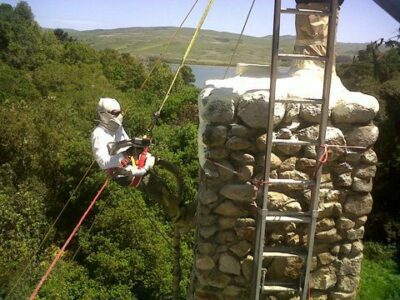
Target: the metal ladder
(260, 285)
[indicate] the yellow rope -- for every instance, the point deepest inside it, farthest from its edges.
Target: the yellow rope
(189, 48)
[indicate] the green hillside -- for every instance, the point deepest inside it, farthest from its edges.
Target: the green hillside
(212, 47)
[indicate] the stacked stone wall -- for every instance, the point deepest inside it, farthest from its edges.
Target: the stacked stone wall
(232, 149)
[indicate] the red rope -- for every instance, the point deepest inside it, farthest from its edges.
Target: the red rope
(259, 183)
(60, 253)
(324, 157)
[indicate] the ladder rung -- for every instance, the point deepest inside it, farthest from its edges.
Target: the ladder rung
(287, 219)
(302, 57)
(291, 181)
(287, 213)
(300, 100)
(302, 11)
(280, 286)
(293, 142)
(285, 252)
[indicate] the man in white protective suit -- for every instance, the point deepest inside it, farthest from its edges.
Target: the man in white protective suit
(120, 165)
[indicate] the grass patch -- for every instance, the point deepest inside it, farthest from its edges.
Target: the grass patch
(380, 274)
(211, 47)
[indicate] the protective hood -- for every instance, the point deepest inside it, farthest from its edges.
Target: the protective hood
(110, 113)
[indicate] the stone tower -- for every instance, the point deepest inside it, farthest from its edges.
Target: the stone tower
(232, 141)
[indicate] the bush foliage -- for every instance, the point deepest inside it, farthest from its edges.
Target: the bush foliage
(49, 88)
(376, 71)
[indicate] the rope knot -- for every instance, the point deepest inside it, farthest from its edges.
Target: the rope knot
(259, 183)
(324, 157)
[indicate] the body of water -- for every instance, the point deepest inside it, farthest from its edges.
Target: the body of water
(204, 72)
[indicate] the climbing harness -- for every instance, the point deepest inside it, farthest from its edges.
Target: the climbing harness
(239, 39)
(138, 149)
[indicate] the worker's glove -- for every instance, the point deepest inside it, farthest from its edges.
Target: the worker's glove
(135, 171)
(137, 145)
(132, 151)
(150, 161)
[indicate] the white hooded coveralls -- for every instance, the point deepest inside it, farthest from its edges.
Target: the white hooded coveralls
(101, 137)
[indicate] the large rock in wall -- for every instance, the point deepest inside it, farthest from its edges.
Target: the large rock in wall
(232, 142)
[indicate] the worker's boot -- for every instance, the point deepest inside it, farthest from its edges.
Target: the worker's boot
(182, 215)
(186, 218)
(311, 34)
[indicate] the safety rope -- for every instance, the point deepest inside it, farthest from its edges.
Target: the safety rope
(159, 59)
(49, 229)
(61, 251)
(239, 39)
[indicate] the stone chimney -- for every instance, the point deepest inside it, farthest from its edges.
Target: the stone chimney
(233, 116)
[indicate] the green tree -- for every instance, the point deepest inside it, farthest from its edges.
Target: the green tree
(6, 15)
(75, 52)
(187, 75)
(377, 71)
(136, 252)
(23, 221)
(49, 89)
(123, 70)
(24, 12)
(16, 85)
(21, 40)
(63, 36)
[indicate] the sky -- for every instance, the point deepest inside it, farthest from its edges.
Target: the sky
(360, 20)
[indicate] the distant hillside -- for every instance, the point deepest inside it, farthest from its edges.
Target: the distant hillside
(212, 47)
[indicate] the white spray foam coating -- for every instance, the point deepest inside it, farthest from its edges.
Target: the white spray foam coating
(303, 83)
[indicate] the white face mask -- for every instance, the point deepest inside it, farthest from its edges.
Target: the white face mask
(110, 114)
(111, 121)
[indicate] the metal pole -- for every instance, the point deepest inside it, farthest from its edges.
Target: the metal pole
(322, 132)
(260, 234)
